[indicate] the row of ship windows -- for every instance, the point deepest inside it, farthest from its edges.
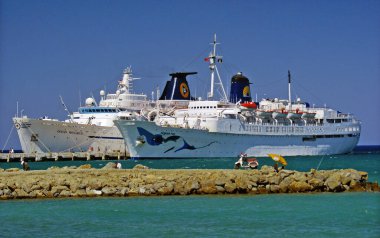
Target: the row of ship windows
(202, 107)
(99, 110)
(336, 120)
(347, 129)
(274, 129)
(294, 129)
(313, 138)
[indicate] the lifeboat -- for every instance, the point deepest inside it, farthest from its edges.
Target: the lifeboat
(248, 105)
(296, 114)
(263, 114)
(279, 114)
(308, 115)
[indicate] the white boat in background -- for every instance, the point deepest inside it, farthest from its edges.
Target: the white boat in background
(224, 128)
(91, 128)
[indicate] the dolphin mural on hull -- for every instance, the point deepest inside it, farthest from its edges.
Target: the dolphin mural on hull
(158, 139)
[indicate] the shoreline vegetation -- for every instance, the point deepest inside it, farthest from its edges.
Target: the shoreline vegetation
(85, 181)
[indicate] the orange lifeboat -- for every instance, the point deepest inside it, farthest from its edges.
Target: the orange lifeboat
(249, 105)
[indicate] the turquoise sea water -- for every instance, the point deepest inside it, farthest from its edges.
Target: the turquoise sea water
(280, 215)
(275, 215)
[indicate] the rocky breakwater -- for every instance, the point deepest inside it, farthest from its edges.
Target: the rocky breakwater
(85, 181)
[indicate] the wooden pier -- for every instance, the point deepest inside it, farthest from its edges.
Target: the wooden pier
(61, 156)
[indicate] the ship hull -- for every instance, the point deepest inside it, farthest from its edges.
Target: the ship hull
(55, 136)
(148, 140)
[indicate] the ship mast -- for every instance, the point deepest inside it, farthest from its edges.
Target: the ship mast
(125, 85)
(213, 59)
(289, 92)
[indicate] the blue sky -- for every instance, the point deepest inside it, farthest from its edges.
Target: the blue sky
(76, 48)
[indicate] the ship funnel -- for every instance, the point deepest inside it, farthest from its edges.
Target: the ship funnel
(177, 88)
(240, 90)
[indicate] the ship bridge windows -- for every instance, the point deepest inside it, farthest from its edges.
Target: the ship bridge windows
(98, 110)
(229, 116)
(336, 120)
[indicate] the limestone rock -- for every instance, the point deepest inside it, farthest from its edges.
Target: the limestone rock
(70, 182)
(230, 187)
(65, 193)
(285, 183)
(56, 190)
(274, 188)
(265, 169)
(110, 165)
(285, 173)
(133, 192)
(300, 177)
(241, 183)
(95, 184)
(220, 189)
(93, 192)
(12, 170)
(316, 183)
(275, 179)
(364, 175)
(140, 166)
(123, 191)
(80, 193)
(53, 168)
(85, 166)
(20, 193)
(7, 192)
(191, 186)
(220, 182)
(3, 185)
(297, 186)
(208, 187)
(166, 189)
(108, 191)
(333, 183)
(254, 178)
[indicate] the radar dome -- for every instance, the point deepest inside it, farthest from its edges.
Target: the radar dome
(117, 92)
(90, 102)
(102, 93)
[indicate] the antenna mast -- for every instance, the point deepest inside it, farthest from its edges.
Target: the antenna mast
(213, 58)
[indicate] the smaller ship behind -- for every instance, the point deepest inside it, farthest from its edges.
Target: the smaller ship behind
(90, 128)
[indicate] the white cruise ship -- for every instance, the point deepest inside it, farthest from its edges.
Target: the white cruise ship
(223, 128)
(91, 128)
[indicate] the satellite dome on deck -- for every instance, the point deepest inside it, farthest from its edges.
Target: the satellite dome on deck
(90, 102)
